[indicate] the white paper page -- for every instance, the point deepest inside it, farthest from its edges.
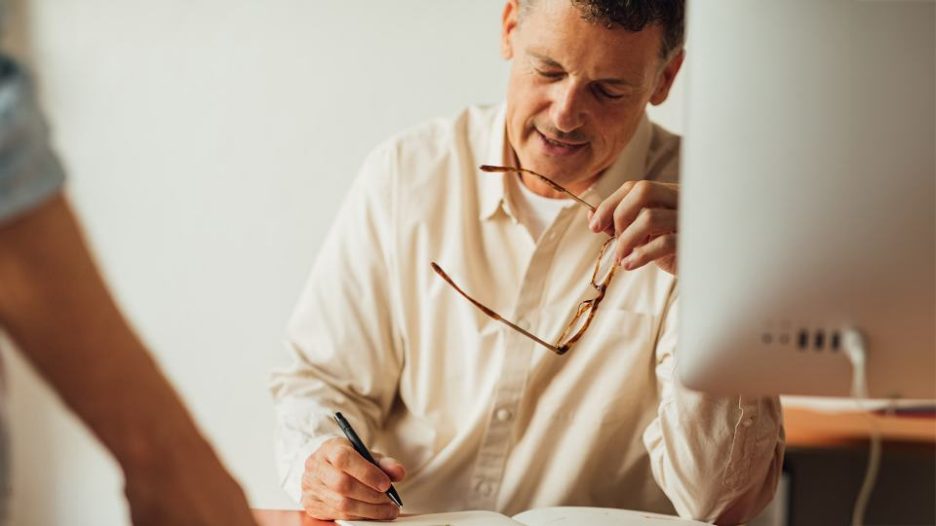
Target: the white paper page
(576, 516)
(456, 518)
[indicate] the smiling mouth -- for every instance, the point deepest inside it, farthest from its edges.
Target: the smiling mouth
(560, 146)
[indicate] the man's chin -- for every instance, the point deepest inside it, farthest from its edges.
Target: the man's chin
(562, 170)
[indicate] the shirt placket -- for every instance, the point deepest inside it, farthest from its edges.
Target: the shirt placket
(517, 350)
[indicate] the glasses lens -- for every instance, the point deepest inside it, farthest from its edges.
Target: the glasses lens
(605, 263)
(577, 325)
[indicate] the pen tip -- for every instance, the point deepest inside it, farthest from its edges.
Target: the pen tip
(396, 500)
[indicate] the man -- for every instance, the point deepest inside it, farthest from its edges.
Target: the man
(56, 308)
(480, 415)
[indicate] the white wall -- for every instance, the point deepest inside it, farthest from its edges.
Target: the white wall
(209, 144)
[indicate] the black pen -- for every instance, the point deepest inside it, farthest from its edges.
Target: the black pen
(362, 450)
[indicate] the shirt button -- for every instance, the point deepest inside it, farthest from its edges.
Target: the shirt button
(748, 422)
(503, 414)
(524, 324)
(484, 489)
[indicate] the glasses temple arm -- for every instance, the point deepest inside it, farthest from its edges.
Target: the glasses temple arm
(556, 186)
(438, 270)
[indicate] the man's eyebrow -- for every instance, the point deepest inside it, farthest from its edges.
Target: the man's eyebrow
(548, 62)
(618, 82)
(545, 60)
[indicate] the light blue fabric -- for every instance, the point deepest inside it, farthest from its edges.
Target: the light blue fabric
(29, 171)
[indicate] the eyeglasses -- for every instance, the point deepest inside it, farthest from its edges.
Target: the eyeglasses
(602, 275)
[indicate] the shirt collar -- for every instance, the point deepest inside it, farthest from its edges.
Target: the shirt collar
(493, 185)
(629, 166)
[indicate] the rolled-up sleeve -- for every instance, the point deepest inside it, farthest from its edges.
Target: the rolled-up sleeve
(341, 336)
(717, 458)
(29, 171)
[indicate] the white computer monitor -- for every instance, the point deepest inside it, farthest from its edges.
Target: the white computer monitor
(808, 203)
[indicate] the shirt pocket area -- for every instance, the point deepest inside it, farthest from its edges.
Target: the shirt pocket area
(606, 377)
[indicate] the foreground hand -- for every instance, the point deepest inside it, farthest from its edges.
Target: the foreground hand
(338, 483)
(642, 215)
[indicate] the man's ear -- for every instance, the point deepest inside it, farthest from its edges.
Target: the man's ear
(509, 21)
(667, 76)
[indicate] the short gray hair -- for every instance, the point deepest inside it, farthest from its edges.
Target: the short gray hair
(634, 15)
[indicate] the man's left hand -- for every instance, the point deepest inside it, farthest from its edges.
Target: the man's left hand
(642, 215)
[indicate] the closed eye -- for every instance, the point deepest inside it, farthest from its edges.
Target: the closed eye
(604, 93)
(552, 75)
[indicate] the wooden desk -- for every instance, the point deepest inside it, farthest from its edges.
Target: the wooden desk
(287, 518)
(826, 458)
(805, 430)
(808, 428)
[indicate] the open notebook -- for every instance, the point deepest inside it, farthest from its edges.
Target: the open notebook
(562, 516)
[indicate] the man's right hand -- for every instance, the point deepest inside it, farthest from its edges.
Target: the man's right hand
(338, 483)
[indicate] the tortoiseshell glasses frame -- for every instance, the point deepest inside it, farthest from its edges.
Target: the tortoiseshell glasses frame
(600, 280)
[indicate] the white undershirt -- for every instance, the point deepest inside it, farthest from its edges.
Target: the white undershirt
(534, 211)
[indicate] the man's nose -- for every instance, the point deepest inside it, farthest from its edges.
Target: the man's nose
(567, 112)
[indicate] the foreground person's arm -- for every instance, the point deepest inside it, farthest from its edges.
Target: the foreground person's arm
(56, 308)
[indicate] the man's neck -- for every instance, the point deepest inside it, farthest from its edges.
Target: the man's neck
(540, 188)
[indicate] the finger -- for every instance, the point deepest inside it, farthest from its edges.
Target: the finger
(645, 194)
(658, 248)
(342, 456)
(633, 195)
(602, 219)
(343, 484)
(348, 508)
(393, 468)
(650, 223)
(309, 481)
(315, 508)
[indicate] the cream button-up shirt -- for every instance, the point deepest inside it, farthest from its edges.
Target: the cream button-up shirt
(482, 417)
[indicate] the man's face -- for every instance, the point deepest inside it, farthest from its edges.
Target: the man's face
(577, 90)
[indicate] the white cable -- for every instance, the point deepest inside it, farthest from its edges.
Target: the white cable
(856, 352)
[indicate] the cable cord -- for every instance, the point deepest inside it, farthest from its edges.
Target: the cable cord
(856, 352)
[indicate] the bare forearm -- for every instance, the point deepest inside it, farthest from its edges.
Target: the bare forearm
(56, 307)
